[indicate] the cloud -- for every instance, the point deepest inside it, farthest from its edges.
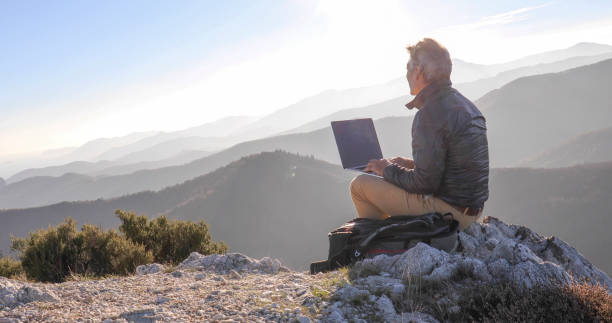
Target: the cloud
(498, 19)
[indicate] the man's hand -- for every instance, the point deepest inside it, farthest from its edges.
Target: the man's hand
(377, 166)
(404, 162)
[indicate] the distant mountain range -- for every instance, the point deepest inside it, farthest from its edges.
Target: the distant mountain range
(591, 147)
(281, 204)
(536, 113)
(299, 117)
(394, 135)
(524, 118)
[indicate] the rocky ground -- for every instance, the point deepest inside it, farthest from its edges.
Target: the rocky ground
(236, 288)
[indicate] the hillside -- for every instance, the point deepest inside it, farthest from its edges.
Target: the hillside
(394, 136)
(536, 113)
(294, 201)
(591, 147)
(500, 273)
(263, 204)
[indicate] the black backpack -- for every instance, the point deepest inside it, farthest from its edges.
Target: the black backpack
(360, 238)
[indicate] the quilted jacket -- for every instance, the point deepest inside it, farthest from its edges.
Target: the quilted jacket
(449, 149)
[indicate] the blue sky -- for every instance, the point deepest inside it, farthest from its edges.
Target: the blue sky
(78, 70)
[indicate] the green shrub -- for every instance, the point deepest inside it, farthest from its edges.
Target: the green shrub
(53, 254)
(9, 267)
(170, 241)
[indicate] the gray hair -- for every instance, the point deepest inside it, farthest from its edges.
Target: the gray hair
(431, 58)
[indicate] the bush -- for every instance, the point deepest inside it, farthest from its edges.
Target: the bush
(9, 267)
(170, 241)
(576, 302)
(53, 254)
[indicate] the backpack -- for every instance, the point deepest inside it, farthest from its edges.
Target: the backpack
(361, 238)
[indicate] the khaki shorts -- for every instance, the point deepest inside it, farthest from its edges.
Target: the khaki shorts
(378, 199)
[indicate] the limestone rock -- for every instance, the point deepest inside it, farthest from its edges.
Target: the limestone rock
(149, 269)
(232, 261)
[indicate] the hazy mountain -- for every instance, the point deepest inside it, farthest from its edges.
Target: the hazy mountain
(572, 203)
(580, 49)
(594, 146)
(271, 204)
(282, 205)
(81, 167)
(181, 158)
(320, 105)
(468, 72)
(2, 182)
(214, 132)
(166, 149)
(536, 113)
(475, 90)
(394, 135)
(82, 153)
(393, 107)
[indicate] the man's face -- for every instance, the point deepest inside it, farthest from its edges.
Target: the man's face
(415, 78)
(411, 74)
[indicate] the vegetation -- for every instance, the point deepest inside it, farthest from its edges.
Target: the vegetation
(9, 267)
(170, 241)
(59, 253)
(53, 254)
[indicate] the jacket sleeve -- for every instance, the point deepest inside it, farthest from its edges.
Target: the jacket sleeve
(429, 149)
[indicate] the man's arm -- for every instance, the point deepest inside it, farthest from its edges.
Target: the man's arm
(429, 153)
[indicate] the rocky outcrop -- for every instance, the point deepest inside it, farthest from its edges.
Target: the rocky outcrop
(490, 252)
(13, 293)
(235, 287)
(236, 262)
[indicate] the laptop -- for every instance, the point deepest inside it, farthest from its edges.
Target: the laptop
(357, 143)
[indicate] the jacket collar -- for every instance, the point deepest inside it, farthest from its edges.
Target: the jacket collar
(427, 92)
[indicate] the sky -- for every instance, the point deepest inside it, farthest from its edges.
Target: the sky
(74, 71)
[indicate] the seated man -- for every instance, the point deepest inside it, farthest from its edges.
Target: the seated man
(450, 170)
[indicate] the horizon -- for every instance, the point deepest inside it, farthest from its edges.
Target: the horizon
(157, 72)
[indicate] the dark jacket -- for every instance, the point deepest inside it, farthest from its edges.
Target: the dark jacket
(449, 149)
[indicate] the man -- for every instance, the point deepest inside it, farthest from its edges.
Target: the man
(450, 170)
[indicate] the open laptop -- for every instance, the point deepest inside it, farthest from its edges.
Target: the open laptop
(357, 143)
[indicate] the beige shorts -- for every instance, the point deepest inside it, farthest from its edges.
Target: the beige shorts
(378, 199)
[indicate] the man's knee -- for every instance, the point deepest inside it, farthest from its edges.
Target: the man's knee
(357, 183)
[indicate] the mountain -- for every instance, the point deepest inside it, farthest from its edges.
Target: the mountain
(394, 136)
(536, 113)
(214, 137)
(165, 149)
(393, 107)
(476, 89)
(2, 182)
(81, 167)
(320, 105)
(286, 202)
(591, 147)
(275, 203)
(83, 153)
(580, 49)
(181, 158)
(571, 203)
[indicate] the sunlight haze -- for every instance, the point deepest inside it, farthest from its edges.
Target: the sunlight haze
(74, 74)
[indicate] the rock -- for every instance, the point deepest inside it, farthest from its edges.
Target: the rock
(234, 274)
(386, 309)
(162, 299)
(232, 261)
(303, 319)
(200, 276)
(149, 269)
(146, 315)
(417, 317)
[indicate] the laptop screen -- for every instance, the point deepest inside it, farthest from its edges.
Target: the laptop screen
(357, 142)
